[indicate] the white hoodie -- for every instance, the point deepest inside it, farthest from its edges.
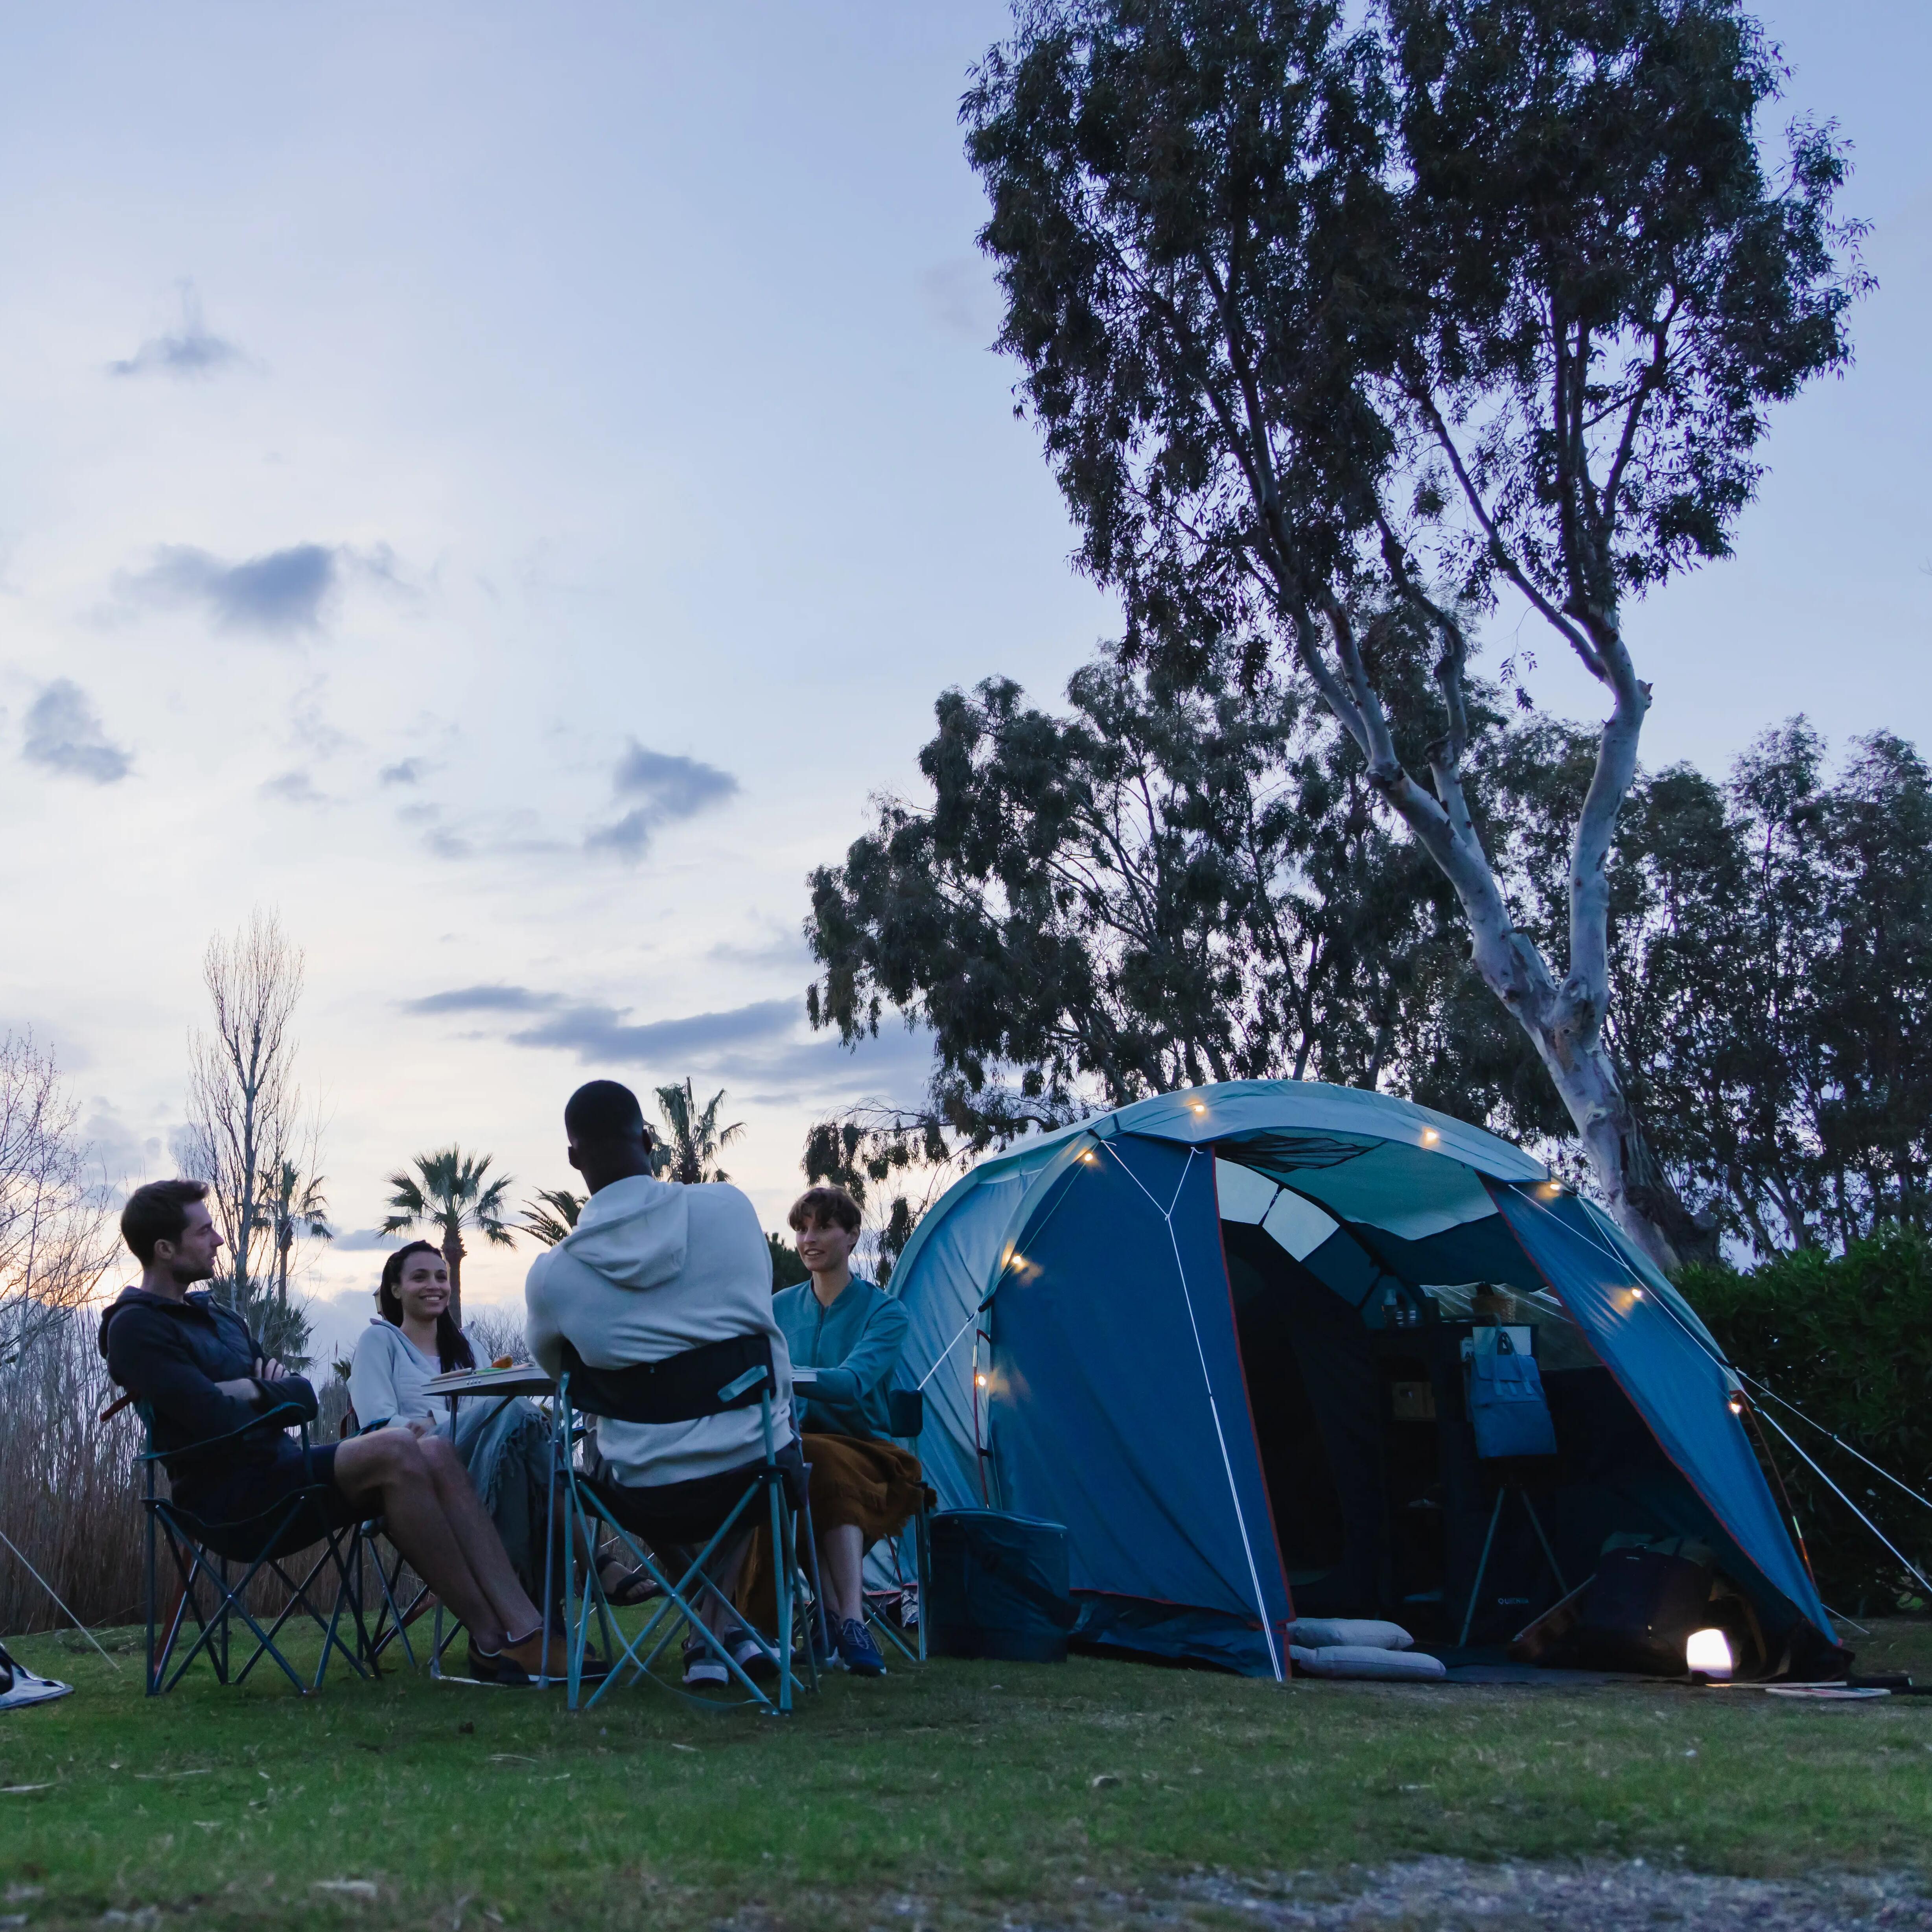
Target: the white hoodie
(651, 1269)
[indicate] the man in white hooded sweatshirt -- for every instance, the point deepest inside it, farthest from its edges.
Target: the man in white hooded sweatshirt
(650, 1269)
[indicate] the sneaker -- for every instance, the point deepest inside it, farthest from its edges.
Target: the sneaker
(860, 1654)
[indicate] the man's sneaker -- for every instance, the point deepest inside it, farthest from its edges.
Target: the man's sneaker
(860, 1654)
(703, 1665)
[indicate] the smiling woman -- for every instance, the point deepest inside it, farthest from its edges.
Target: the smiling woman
(505, 1446)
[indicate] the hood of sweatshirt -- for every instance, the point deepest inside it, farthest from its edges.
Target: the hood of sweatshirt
(634, 1233)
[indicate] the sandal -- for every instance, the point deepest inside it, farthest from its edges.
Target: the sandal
(625, 1586)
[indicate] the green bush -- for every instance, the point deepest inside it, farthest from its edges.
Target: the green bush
(1847, 1339)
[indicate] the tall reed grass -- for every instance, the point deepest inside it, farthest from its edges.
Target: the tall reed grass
(70, 1485)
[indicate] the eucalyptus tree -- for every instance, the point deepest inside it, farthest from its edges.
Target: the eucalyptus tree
(1169, 883)
(451, 1192)
(1464, 301)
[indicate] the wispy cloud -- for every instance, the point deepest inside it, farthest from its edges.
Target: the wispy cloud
(605, 1035)
(278, 593)
(498, 999)
(295, 787)
(64, 733)
(404, 771)
(670, 788)
(190, 351)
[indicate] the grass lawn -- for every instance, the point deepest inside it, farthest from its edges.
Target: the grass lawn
(980, 1788)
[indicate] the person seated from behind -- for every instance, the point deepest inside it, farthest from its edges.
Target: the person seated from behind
(652, 1269)
(220, 1414)
(850, 1333)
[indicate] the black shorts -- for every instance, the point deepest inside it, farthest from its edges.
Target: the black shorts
(241, 1511)
(690, 1513)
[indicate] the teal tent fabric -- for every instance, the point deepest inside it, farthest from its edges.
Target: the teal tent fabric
(1073, 1325)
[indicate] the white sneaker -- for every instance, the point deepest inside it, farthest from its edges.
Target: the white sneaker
(750, 1658)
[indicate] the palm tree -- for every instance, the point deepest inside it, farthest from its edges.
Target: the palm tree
(447, 1192)
(552, 1215)
(292, 1207)
(692, 1136)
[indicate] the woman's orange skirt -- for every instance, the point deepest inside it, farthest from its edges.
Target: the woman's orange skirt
(875, 1485)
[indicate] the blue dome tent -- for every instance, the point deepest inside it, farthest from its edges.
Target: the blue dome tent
(1219, 1335)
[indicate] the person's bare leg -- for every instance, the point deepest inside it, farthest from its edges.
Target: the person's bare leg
(719, 1618)
(482, 1548)
(842, 1558)
(389, 1465)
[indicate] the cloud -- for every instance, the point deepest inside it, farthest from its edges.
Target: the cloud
(365, 1241)
(185, 353)
(280, 592)
(64, 732)
(484, 1000)
(407, 771)
(671, 788)
(962, 298)
(295, 787)
(601, 1035)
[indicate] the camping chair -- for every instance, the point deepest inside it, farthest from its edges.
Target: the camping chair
(906, 1417)
(204, 1550)
(708, 1380)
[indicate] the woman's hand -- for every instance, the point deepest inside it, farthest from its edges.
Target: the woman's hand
(419, 1427)
(267, 1369)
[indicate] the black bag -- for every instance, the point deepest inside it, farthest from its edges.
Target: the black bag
(1640, 1607)
(999, 1587)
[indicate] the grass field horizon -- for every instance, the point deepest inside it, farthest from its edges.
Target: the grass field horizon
(964, 1792)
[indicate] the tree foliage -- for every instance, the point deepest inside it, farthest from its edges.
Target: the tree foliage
(1316, 313)
(692, 1138)
(1165, 886)
(1848, 1341)
(450, 1192)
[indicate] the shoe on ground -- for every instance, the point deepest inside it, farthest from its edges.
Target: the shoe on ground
(521, 1664)
(750, 1657)
(703, 1666)
(857, 1652)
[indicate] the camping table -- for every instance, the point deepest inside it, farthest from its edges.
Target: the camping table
(524, 1378)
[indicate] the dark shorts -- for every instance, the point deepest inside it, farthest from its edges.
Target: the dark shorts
(239, 1511)
(690, 1513)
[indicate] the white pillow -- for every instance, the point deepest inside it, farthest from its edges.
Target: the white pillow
(1322, 1632)
(1362, 1660)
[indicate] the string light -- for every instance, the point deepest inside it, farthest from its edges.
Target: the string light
(1736, 1404)
(981, 1380)
(1552, 1188)
(1197, 1106)
(1636, 1294)
(1430, 1135)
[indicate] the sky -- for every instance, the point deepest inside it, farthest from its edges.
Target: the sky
(504, 486)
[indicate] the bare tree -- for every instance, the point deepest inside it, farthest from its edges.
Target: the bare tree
(242, 1100)
(54, 1241)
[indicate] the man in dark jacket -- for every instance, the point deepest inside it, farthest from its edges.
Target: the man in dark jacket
(220, 1411)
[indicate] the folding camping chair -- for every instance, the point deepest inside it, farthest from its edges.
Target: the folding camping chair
(906, 1418)
(202, 1551)
(708, 1380)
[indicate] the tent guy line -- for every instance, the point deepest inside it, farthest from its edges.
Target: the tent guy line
(1214, 1408)
(1762, 1388)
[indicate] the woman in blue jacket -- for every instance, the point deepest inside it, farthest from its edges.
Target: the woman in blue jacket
(849, 1334)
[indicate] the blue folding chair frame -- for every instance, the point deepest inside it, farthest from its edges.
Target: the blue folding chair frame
(906, 1409)
(680, 1603)
(186, 1535)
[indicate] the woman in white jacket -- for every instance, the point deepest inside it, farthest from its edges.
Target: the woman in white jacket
(504, 1445)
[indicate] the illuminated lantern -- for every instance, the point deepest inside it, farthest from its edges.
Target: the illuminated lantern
(1707, 1654)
